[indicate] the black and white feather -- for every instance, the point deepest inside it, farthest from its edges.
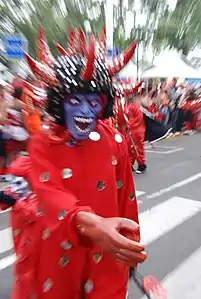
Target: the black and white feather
(68, 72)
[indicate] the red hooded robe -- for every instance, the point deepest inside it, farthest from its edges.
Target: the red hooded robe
(52, 262)
(135, 135)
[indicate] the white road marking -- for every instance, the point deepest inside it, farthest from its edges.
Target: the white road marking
(5, 211)
(159, 146)
(6, 240)
(139, 193)
(167, 152)
(184, 281)
(174, 150)
(164, 217)
(7, 262)
(175, 186)
(168, 147)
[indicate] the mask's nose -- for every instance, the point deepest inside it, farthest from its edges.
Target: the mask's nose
(85, 109)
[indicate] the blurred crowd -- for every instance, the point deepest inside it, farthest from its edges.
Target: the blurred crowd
(158, 112)
(177, 106)
(20, 114)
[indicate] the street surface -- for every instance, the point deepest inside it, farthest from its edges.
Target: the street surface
(170, 216)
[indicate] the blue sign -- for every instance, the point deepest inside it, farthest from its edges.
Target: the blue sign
(193, 81)
(14, 46)
(113, 53)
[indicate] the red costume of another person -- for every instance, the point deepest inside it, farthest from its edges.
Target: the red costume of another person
(156, 112)
(130, 122)
(191, 106)
(108, 122)
(136, 135)
(74, 211)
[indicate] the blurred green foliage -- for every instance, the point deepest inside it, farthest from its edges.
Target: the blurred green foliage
(180, 29)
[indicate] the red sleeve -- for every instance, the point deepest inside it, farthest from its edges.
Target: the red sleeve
(58, 204)
(126, 193)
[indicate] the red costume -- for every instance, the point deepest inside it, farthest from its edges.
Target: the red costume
(36, 222)
(194, 106)
(65, 249)
(108, 122)
(131, 124)
(136, 134)
(158, 116)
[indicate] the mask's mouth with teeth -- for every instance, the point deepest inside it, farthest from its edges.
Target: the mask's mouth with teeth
(83, 124)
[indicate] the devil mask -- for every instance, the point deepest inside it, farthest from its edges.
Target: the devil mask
(78, 81)
(81, 112)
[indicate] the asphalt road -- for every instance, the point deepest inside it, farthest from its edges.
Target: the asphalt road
(170, 212)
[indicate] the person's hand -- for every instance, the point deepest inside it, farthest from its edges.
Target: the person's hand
(109, 234)
(6, 199)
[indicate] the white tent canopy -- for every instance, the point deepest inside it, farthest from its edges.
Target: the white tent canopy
(170, 64)
(130, 71)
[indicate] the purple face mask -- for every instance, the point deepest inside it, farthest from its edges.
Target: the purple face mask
(81, 112)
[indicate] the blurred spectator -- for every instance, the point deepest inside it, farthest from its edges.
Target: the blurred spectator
(17, 81)
(2, 141)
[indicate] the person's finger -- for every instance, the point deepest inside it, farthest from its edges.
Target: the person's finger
(121, 259)
(133, 256)
(136, 237)
(125, 243)
(129, 257)
(131, 260)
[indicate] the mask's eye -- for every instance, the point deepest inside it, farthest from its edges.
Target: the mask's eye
(74, 101)
(94, 103)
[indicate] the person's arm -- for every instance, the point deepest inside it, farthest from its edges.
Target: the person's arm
(81, 226)
(17, 105)
(3, 112)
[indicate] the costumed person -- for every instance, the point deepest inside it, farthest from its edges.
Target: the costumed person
(136, 134)
(131, 124)
(189, 115)
(74, 212)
